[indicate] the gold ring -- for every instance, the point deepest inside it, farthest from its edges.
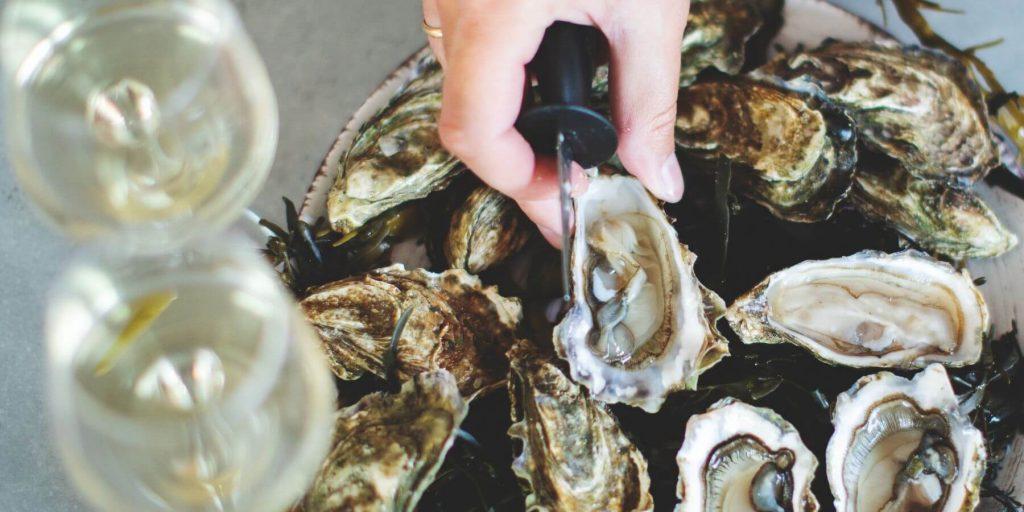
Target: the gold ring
(431, 30)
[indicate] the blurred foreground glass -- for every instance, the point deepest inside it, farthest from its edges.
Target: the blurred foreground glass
(185, 382)
(151, 115)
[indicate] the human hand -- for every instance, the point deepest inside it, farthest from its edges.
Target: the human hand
(484, 49)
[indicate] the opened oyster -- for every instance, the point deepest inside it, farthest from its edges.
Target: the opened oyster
(918, 106)
(871, 309)
(455, 323)
(485, 230)
(793, 153)
(946, 219)
(574, 455)
(739, 457)
(640, 324)
(396, 157)
(902, 444)
(387, 448)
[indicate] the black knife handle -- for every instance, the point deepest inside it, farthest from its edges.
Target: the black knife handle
(564, 70)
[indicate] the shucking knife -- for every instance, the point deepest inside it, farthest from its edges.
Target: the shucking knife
(560, 123)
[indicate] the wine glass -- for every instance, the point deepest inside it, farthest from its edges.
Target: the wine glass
(149, 117)
(185, 380)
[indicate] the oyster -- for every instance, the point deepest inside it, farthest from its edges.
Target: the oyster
(397, 155)
(387, 448)
(485, 230)
(739, 457)
(573, 454)
(795, 153)
(949, 220)
(640, 325)
(902, 444)
(872, 309)
(918, 106)
(455, 324)
(716, 36)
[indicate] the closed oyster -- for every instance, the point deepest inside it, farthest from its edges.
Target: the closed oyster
(794, 153)
(485, 230)
(739, 457)
(388, 448)
(946, 219)
(918, 106)
(573, 454)
(396, 157)
(640, 324)
(902, 444)
(716, 36)
(872, 309)
(455, 324)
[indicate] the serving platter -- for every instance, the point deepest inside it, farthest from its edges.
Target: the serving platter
(806, 23)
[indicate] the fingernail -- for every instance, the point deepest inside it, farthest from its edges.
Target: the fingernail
(579, 180)
(670, 180)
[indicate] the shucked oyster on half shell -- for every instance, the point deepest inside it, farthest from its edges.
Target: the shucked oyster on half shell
(456, 324)
(485, 230)
(915, 105)
(640, 325)
(902, 444)
(388, 448)
(871, 309)
(946, 219)
(793, 153)
(737, 457)
(396, 157)
(573, 454)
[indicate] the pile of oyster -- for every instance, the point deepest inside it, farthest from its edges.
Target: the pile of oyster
(891, 136)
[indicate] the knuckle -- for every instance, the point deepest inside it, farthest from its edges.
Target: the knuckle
(455, 137)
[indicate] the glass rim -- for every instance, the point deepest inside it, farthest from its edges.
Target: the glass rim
(257, 381)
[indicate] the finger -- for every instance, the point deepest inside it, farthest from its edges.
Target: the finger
(432, 17)
(644, 60)
(486, 51)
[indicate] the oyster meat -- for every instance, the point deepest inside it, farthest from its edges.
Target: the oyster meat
(737, 457)
(573, 454)
(388, 448)
(485, 230)
(918, 106)
(902, 444)
(396, 156)
(871, 309)
(456, 324)
(640, 325)
(794, 153)
(949, 220)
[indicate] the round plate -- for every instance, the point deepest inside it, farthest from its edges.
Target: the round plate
(807, 23)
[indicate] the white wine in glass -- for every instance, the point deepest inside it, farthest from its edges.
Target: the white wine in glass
(185, 382)
(149, 116)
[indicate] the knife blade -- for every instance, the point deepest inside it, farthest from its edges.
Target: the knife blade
(563, 152)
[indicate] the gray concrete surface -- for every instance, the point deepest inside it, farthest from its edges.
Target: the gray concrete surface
(324, 57)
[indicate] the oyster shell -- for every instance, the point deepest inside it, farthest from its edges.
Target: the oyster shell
(902, 444)
(716, 37)
(945, 219)
(456, 324)
(871, 309)
(640, 324)
(795, 152)
(574, 455)
(388, 448)
(915, 105)
(396, 157)
(485, 230)
(739, 457)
